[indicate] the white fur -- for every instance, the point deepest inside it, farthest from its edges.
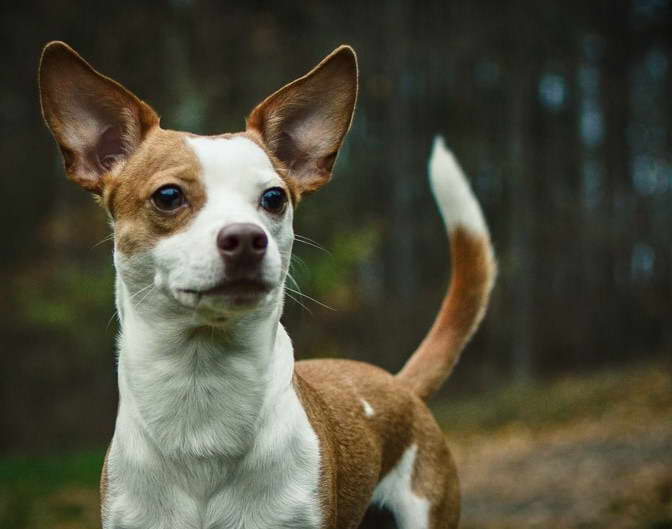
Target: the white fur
(368, 409)
(452, 192)
(395, 493)
(210, 433)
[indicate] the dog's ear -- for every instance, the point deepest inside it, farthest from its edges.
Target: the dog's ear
(303, 123)
(96, 121)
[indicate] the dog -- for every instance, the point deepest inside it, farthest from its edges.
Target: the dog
(217, 426)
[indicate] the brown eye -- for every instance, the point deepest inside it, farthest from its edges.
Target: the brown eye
(168, 198)
(274, 200)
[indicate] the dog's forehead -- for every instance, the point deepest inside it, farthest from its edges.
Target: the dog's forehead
(232, 162)
(218, 174)
(236, 160)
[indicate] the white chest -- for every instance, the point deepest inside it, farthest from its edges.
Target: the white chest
(275, 485)
(211, 439)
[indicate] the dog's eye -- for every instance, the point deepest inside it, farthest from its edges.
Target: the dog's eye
(168, 198)
(274, 200)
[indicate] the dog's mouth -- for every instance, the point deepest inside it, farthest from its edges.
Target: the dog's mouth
(229, 296)
(236, 288)
(216, 304)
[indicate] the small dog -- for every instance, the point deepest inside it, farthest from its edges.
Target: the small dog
(217, 426)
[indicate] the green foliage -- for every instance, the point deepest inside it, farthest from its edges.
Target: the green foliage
(47, 473)
(60, 301)
(31, 489)
(331, 276)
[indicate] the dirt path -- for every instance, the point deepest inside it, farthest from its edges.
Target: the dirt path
(609, 471)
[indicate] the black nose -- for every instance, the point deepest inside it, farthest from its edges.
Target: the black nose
(242, 244)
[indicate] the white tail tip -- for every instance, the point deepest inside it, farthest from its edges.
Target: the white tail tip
(452, 192)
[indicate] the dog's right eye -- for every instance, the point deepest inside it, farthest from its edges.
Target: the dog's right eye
(168, 198)
(274, 200)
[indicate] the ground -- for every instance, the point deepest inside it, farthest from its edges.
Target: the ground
(582, 452)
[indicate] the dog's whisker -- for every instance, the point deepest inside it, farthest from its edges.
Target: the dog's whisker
(295, 300)
(139, 303)
(104, 240)
(296, 259)
(115, 314)
(311, 243)
(304, 238)
(294, 281)
(140, 291)
(296, 263)
(308, 240)
(298, 293)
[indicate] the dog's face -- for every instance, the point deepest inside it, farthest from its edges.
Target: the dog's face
(210, 228)
(203, 224)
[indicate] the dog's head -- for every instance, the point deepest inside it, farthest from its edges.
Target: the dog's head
(203, 223)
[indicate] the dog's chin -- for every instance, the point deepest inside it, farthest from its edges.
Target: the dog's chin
(217, 304)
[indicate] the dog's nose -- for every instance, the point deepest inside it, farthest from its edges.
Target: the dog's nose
(242, 244)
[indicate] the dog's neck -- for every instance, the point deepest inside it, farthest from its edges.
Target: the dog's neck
(201, 391)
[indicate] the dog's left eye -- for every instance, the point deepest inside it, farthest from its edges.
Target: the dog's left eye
(168, 198)
(274, 200)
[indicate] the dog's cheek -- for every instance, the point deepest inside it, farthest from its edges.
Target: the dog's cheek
(187, 259)
(132, 238)
(134, 270)
(168, 258)
(133, 253)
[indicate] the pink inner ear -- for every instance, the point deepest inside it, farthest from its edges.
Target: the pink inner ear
(304, 122)
(109, 148)
(287, 150)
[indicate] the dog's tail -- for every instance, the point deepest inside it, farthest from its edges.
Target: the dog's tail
(473, 275)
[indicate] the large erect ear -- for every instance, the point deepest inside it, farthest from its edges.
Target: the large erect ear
(96, 121)
(303, 123)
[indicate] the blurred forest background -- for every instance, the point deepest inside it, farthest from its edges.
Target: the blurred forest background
(559, 111)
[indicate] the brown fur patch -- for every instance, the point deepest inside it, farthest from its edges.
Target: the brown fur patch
(163, 158)
(358, 450)
(435, 474)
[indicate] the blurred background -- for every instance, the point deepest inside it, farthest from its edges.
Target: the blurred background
(560, 412)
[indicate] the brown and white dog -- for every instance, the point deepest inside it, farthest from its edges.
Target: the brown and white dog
(217, 426)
